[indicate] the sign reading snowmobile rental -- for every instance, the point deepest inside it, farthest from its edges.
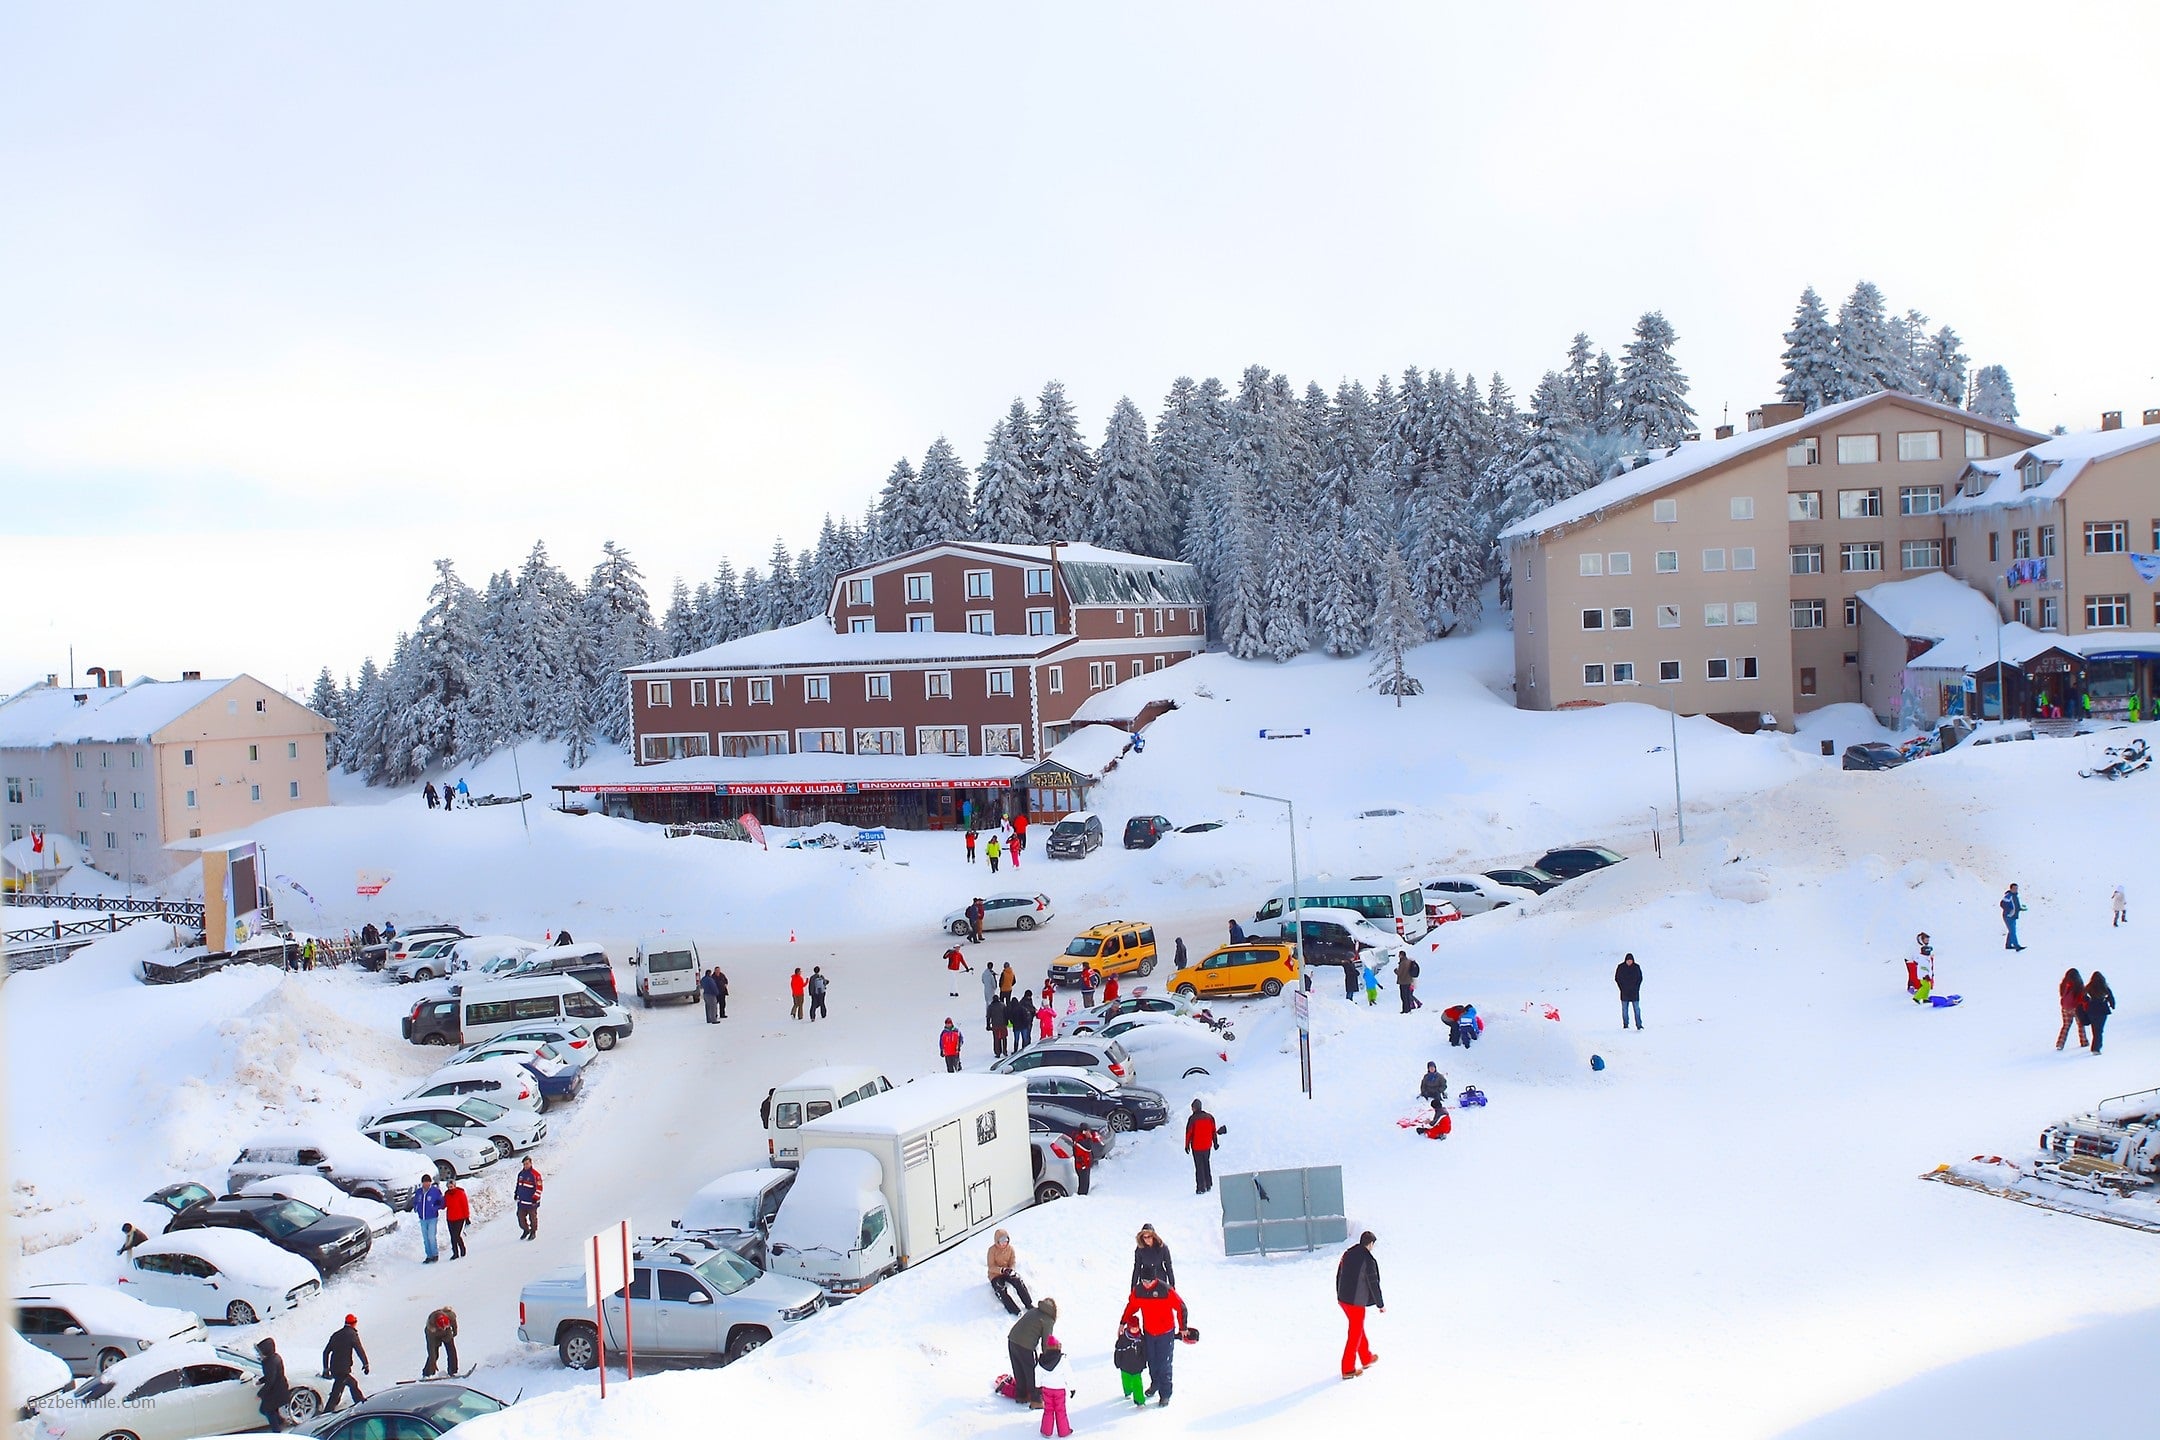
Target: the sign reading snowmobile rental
(794, 787)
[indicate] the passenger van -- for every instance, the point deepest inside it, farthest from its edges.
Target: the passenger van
(1115, 947)
(809, 1095)
(667, 968)
(1397, 905)
(488, 1008)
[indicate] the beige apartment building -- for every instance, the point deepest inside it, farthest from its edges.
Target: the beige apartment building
(125, 770)
(1725, 576)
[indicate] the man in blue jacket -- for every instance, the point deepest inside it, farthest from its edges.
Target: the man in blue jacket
(426, 1206)
(2012, 907)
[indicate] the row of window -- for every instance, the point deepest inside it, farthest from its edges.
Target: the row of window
(1865, 557)
(870, 740)
(877, 685)
(1912, 445)
(1671, 672)
(1039, 622)
(976, 584)
(1620, 562)
(1863, 504)
(187, 756)
(1715, 613)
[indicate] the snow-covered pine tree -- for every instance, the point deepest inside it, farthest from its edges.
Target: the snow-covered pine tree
(942, 484)
(328, 701)
(1550, 467)
(1059, 458)
(1188, 439)
(757, 602)
(1242, 543)
(494, 713)
(1944, 376)
(618, 629)
(437, 685)
(400, 753)
(1282, 632)
(870, 545)
(1003, 511)
(780, 585)
(360, 743)
(899, 509)
(721, 615)
(1396, 629)
(1908, 348)
(679, 626)
(1123, 508)
(1654, 409)
(1345, 533)
(828, 562)
(808, 602)
(1582, 396)
(1867, 359)
(542, 642)
(1993, 395)
(1811, 376)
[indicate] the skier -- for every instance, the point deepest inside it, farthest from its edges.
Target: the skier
(449, 798)
(989, 983)
(1005, 1274)
(2099, 1000)
(991, 852)
(1029, 1331)
(709, 987)
(818, 986)
(1151, 1260)
(457, 1213)
(1022, 1012)
(2120, 906)
(2011, 907)
(337, 1362)
(526, 1195)
(463, 793)
(971, 847)
(796, 986)
(272, 1392)
(1628, 976)
(1432, 1089)
(427, 1209)
(440, 1332)
(2070, 994)
(1357, 1289)
(1163, 1317)
(1201, 1133)
(948, 1045)
(1131, 1358)
(994, 1021)
(432, 798)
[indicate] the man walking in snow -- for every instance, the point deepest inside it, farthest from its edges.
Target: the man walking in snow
(2121, 906)
(1357, 1289)
(526, 1196)
(989, 983)
(975, 913)
(796, 986)
(427, 1208)
(1406, 974)
(955, 962)
(948, 1046)
(2011, 907)
(711, 993)
(1200, 1135)
(818, 986)
(431, 795)
(337, 1362)
(1628, 976)
(1163, 1318)
(457, 1214)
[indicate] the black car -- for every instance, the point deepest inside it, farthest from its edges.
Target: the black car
(1142, 831)
(328, 1242)
(1529, 877)
(1577, 860)
(1328, 942)
(419, 1410)
(1873, 756)
(1119, 1107)
(180, 1196)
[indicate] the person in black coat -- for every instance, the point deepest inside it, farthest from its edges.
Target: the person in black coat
(1628, 976)
(1022, 1011)
(2099, 1000)
(996, 1018)
(337, 1362)
(1406, 976)
(1433, 1088)
(562, 937)
(1151, 1260)
(273, 1392)
(1357, 1289)
(719, 979)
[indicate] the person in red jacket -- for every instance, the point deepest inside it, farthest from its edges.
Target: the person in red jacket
(948, 1044)
(457, 1210)
(1163, 1319)
(1200, 1134)
(796, 985)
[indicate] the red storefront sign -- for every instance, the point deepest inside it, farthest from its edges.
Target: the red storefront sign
(792, 787)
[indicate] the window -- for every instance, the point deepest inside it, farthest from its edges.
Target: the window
(1591, 564)
(1807, 559)
(918, 587)
(1192, 619)
(1619, 563)
(1950, 550)
(254, 792)
(1852, 610)
(1713, 560)
(1000, 682)
(2023, 611)
(1623, 617)
(112, 840)
(1994, 546)
(254, 752)
(1057, 679)
(262, 707)
(1038, 580)
(2033, 473)
(1042, 622)
(937, 684)
(700, 692)
(858, 592)
(1743, 507)
(1001, 740)
(1623, 672)
(1743, 557)
(1668, 562)
(292, 750)
(135, 801)
(817, 689)
(1095, 680)
(653, 748)
(821, 742)
(761, 691)
(1593, 619)
(191, 799)
(657, 693)
(1743, 612)
(1668, 672)
(981, 622)
(78, 765)
(2107, 537)
(1713, 613)
(877, 687)
(754, 744)
(1749, 670)
(1919, 445)
(1668, 617)
(1121, 617)
(880, 742)
(2021, 544)
(292, 790)
(1804, 505)
(940, 740)
(1137, 669)
(1976, 444)
(82, 800)
(14, 790)
(1717, 669)
(1665, 512)
(1807, 680)
(1593, 674)
(725, 694)
(1858, 449)
(187, 756)
(1920, 554)
(2107, 612)
(978, 585)
(104, 759)
(1804, 452)
(82, 838)
(862, 625)
(919, 624)
(1861, 556)
(1859, 504)
(2047, 540)
(1807, 614)
(1919, 499)
(2050, 613)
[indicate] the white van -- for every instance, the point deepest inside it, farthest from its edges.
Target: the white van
(1397, 905)
(808, 1096)
(667, 967)
(485, 1009)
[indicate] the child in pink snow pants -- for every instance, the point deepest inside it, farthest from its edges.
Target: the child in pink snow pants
(1055, 1421)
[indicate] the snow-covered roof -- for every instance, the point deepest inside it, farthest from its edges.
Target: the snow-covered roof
(907, 1108)
(889, 772)
(59, 853)
(1094, 575)
(1961, 621)
(2003, 476)
(48, 716)
(1089, 750)
(246, 1257)
(1699, 457)
(347, 1149)
(813, 643)
(830, 1077)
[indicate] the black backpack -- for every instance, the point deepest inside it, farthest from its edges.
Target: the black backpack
(1410, 969)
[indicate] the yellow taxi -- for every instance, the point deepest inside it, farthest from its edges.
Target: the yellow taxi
(1115, 947)
(1254, 967)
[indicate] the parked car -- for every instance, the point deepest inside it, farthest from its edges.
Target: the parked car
(1088, 1092)
(1083, 1022)
(1200, 827)
(1075, 835)
(452, 1155)
(1873, 756)
(425, 960)
(1089, 1053)
(169, 1200)
(574, 1043)
(351, 1162)
(1115, 947)
(93, 1328)
(1473, 894)
(1339, 937)
(1257, 967)
(328, 1242)
(226, 1275)
(1577, 860)
(588, 964)
(1142, 831)
(1056, 1173)
(1525, 877)
(174, 1391)
(558, 1078)
(736, 1211)
(1172, 1044)
(511, 1132)
(485, 1007)
(378, 955)
(1045, 1118)
(1021, 910)
(415, 1410)
(667, 967)
(505, 1082)
(695, 1302)
(409, 942)
(326, 1197)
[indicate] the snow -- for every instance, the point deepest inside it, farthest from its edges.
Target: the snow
(42, 717)
(104, 1311)
(833, 1190)
(247, 1258)
(32, 1372)
(814, 643)
(724, 1203)
(906, 1108)
(124, 1375)
(1090, 750)
(2072, 454)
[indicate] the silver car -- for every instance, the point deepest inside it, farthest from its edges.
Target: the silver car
(688, 1301)
(92, 1328)
(1021, 910)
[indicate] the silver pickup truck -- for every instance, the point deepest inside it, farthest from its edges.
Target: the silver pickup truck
(688, 1301)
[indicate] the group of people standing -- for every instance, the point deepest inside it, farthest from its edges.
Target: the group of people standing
(449, 795)
(1013, 1020)
(812, 987)
(1154, 1320)
(2086, 1004)
(1007, 842)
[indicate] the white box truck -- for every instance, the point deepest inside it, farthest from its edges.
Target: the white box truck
(902, 1176)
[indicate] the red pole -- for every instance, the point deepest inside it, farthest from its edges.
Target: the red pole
(629, 1292)
(600, 1315)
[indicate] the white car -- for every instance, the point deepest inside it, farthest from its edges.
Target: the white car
(572, 1042)
(1021, 910)
(351, 1162)
(1472, 894)
(452, 1154)
(173, 1391)
(505, 1082)
(1171, 1044)
(511, 1132)
(1087, 1022)
(313, 1190)
(430, 960)
(543, 1056)
(32, 1375)
(226, 1275)
(93, 1327)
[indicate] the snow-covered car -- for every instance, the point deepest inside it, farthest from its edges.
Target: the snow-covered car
(1087, 1052)
(353, 1163)
(490, 954)
(505, 1082)
(736, 1211)
(557, 1077)
(1334, 936)
(93, 1327)
(226, 1275)
(430, 960)
(511, 1132)
(1171, 1044)
(1086, 1022)
(32, 1375)
(415, 939)
(379, 1218)
(1021, 910)
(1471, 894)
(453, 1154)
(173, 1391)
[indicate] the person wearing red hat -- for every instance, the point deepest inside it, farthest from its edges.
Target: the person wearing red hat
(337, 1362)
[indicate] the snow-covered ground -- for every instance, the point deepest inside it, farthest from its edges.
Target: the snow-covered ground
(1722, 1233)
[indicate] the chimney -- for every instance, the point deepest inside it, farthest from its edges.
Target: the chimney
(2152, 417)
(1724, 432)
(116, 679)
(2111, 420)
(1775, 412)
(191, 674)
(97, 670)
(52, 682)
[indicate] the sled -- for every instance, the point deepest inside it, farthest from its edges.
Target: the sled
(2044, 1194)
(1470, 1096)
(1944, 1002)
(500, 799)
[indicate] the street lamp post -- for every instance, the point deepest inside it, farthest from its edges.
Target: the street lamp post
(1679, 814)
(1297, 938)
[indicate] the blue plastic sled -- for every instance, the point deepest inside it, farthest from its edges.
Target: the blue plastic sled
(1944, 1002)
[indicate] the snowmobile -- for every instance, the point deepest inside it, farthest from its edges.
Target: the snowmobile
(2102, 1165)
(2123, 762)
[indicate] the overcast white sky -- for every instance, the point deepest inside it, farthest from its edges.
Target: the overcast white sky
(294, 299)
